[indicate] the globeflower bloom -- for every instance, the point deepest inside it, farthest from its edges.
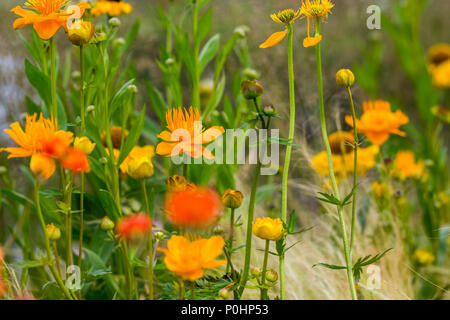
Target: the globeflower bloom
(46, 16)
(187, 258)
(112, 8)
(315, 9)
(193, 208)
(75, 160)
(441, 75)
(405, 166)
(286, 17)
(378, 122)
(41, 141)
(342, 156)
(81, 33)
(186, 135)
(138, 163)
(84, 144)
(437, 55)
(423, 257)
(137, 224)
(268, 229)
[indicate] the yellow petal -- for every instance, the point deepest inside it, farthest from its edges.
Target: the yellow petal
(311, 42)
(273, 39)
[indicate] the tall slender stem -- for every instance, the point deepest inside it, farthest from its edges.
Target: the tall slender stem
(287, 159)
(230, 239)
(69, 255)
(150, 242)
(82, 132)
(196, 42)
(264, 271)
(330, 166)
(53, 76)
(355, 169)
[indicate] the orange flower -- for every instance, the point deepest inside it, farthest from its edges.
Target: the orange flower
(40, 140)
(193, 208)
(47, 16)
(285, 17)
(3, 287)
(314, 9)
(75, 160)
(112, 8)
(188, 258)
(407, 167)
(378, 121)
(186, 135)
(135, 225)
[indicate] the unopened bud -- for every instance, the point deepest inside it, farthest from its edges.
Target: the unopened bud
(272, 275)
(3, 170)
(345, 78)
(90, 108)
(251, 89)
(270, 111)
(132, 88)
(76, 75)
(251, 74)
(53, 232)
(114, 22)
(106, 224)
(98, 37)
(242, 31)
(159, 236)
(218, 229)
(232, 199)
(224, 293)
(119, 42)
(256, 272)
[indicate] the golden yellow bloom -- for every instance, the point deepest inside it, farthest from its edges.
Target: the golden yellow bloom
(187, 258)
(441, 75)
(42, 165)
(438, 54)
(139, 162)
(345, 78)
(442, 113)
(314, 9)
(84, 144)
(116, 137)
(232, 198)
(53, 232)
(423, 257)
(81, 33)
(176, 183)
(268, 228)
(112, 8)
(343, 156)
(378, 121)
(285, 17)
(379, 189)
(405, 166)
(186, 135)
(46, 16)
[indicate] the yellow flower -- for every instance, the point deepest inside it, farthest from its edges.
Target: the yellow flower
(315, 9)
(139, 162)
(186, 135)
(112, 8)
(176, 183)
(441, 75)
(81, 33)
(53, 232)
(116, 137)
(378, 121)
(232, 198)
(84, 144)
(345, 78)
(187, 258)
(343, 156)
(442, 113)
(405, 166)
(438, 54)
(46, 16)
(42, 165)
(268, 228)
(379, 189)
(423, 257)
(286, 17)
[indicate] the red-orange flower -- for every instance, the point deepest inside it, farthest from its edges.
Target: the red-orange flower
(193, 208)
(75, 160)
(135, 225)
(47, 16)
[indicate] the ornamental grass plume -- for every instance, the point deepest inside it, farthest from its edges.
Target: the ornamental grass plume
(378, 122)
(46, 16)
(112, 8)
(189, 257)
(186, 135)
(193, 208)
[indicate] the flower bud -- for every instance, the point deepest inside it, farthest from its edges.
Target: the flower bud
(176, 183)
(268, 229)
(270, 111)
(84, 144)
(76, 75)
(242, 31)
(251, 74)
(119, 42)
(224, 293)
(103, 160)
(53, 232)
(3, 170)
(116, 137)
(232, 199)
(170, 61)
(345, 78)
(251, 89)
(256, 272)
(159, 236)
(132, 88)
(114, 22)
(106, 224)
(81, 33)
(218, 230)
(271, 275)
(90, 109)
(98, 37)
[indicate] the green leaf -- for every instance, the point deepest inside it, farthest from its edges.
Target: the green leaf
(108, 204)
(131, 37)
(263, 192)
(223, 55)
(132, 138)
(157, 103)
(329, 266)
(204, 25)
(28, 264)
(40, 82)
(118, 97)
(208, 52)
(215, 99)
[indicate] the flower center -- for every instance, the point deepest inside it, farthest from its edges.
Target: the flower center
(46, 7)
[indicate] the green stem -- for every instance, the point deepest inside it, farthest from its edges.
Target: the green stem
(287, 159)
(82, 133)
(53, 270)
(330, 167)
(53, 79)
(69, 256)
(196, 82)
(150, 242)
(264, 271)
(230, 239)
(355, 169)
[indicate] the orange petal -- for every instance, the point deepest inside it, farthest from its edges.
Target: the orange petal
(212, 133)
(311, 42)
(46, 29)
(273, 39)
(165, 148)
